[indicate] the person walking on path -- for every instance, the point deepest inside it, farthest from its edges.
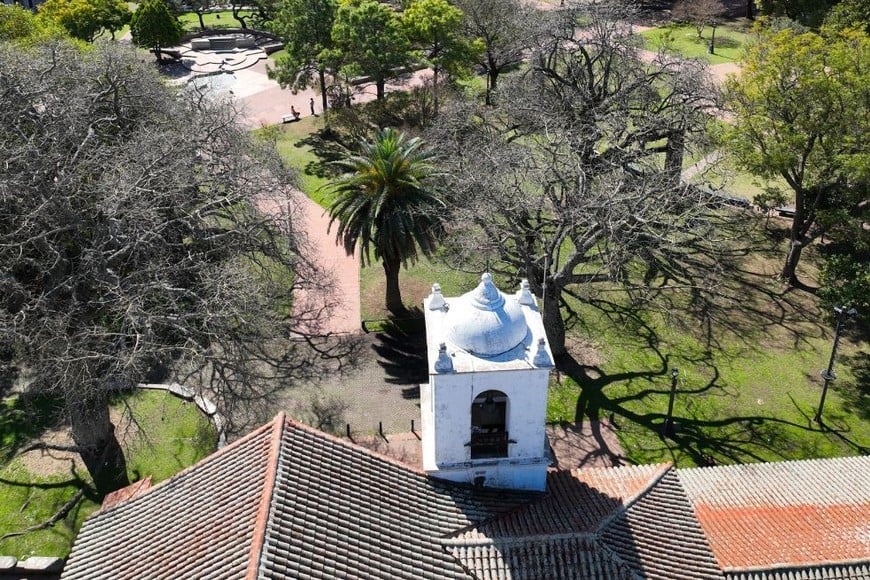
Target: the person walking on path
(311, 104)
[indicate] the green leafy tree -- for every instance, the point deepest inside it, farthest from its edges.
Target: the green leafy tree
(86, 19)
(433, 26)
(385, 205)
(801, 113)
(155, 26)
(370, 41)
(807, 12)
(849, 14)
(17, 24)
(305, 26)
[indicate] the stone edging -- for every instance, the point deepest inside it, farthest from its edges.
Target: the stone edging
(32, 567)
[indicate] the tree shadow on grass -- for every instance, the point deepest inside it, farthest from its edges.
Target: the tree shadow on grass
(401, 350)
(729, 291)
(704, 441)
(24, 418)
(327, 146)
(67, 512)
(856, 393)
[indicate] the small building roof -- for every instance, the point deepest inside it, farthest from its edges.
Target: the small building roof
(783, 516)
(485, 329)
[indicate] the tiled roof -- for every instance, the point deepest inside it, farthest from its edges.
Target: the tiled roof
(788, 515)
(339, 511)
(286, 502)
(199, 524)
(626, 522)
(846, 572)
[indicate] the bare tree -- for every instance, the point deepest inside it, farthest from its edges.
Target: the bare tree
(575, 179)
(133, 249)
(699, 13)
(506, 28)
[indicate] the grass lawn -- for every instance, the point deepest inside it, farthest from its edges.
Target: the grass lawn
(683, 39)
(219, 19)
(748, 382)
(294, 142)
(36, 485)
(416, 283)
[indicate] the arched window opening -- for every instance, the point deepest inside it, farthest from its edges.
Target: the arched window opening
(489, 434)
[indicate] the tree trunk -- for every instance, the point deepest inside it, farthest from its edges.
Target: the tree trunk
(380, 84)
(435, 89)
(749, 5)
(393, 298)
(94, 434)
(324, 101)
(789, 270)
(674, 155)
(554, 325)
(492, 75)
(201, 21)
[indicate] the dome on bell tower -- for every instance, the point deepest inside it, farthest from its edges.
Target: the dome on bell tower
(485, 322)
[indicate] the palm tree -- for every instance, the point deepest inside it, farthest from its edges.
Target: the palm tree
(383, 204)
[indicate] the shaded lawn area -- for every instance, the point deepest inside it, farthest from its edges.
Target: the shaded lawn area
(296, 143)
(161, 436)
(683, 39)
(218, 19)
(748, 384)
(748, 363)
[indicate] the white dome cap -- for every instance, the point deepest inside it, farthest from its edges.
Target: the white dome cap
(486, 322)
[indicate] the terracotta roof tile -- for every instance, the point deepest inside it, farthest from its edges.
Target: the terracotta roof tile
(197, 524)
(627, 522)
(340, 510)
(288, 501)
(771, 516)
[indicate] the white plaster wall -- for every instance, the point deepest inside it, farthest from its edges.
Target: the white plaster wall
(452, 396)
(531, 476)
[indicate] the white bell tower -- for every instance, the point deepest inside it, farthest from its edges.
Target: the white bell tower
(484, 408)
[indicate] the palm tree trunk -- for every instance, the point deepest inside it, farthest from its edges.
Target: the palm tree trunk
(393, 298)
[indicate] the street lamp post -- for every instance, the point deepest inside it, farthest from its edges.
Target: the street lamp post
(669, 420)
(828, 374)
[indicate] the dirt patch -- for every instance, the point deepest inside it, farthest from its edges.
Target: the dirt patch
(47, 462)
(588, 444)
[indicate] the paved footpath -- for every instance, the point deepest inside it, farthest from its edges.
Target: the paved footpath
(265, 103)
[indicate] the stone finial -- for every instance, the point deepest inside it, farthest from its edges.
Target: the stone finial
(436, 299)
(542, 357)
(486, 296)
(524, 296)
(443, 364)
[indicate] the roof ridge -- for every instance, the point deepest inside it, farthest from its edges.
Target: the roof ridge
(784, 461)
(216, 455)
(785, 567)
(341, 441)
(663, 470)
(515, 540)
(268, 492)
